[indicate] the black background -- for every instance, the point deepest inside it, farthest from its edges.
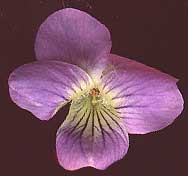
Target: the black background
(153, 32)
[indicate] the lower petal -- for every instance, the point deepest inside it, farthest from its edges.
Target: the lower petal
(91, 135)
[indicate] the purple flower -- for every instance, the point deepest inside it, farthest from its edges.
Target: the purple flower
(110, 96)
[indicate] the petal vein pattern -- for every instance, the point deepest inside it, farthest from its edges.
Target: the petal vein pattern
(90, 132)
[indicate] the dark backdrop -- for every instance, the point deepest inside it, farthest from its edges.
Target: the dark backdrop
(153, 32)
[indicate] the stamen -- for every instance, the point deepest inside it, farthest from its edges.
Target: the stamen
(94, 97)
(94, 92)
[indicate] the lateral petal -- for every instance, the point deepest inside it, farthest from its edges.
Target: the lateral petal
(42, 87)
(147, 99)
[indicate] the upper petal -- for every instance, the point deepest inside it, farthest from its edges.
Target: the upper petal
(74, 37)
(43, 87)
(147, 99)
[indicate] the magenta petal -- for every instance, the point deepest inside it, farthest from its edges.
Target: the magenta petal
(74, 37)
(43, 87)
(147, 99)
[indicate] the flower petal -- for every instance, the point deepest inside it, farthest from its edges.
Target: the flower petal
(90, 136)
(74, 37)
(147, 99)
(43, 87)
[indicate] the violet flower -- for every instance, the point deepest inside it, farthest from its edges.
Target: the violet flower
(110, 96)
